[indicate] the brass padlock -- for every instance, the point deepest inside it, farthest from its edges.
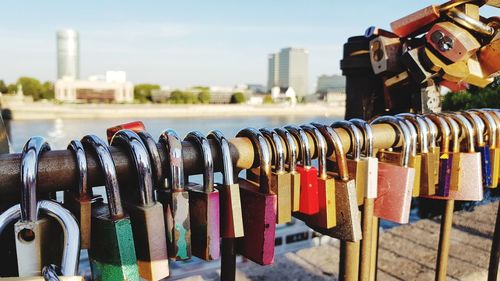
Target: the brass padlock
(204, 205)
(146, 215)
(488, 58)
(494, 151)
(384, 54)
(444, 132)
(291, 149)
(281, 180)
(434, 149)
(231, 222)
(395, 181)
(326, 217)
(175, 200)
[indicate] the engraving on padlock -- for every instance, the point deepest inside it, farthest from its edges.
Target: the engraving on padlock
(430, 98)
(291, 149)
(494, 151)
(79, 201)
(258, 205)
(308, 174)
(146, 215)
(384, 54)
(175, 200)
(32, 234)
(112, 253)
(395, 182)
(281, 181)
(444, 132)
(451, 41)
(326, 217)
(71, 249)
(354, 163)
(204, 205)
(231, 220)
(348, 227)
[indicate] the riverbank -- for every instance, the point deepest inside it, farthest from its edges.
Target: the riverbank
(40, 111)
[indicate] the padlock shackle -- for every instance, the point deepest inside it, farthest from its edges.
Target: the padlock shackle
(478, 126)
(433, 131)
(354, 134)
(263, 151)
(154, 157)
(201, 142)
(496, 116)
(101, 150)
(454, 132)
(367, 131)
(452, 4)
(291, 148)
(332, 138)
(278, 153)
(413, 135)
(172, 143)
(225, 152)
(470, 23)
(403, 132)
(320, 144)
(422, 130)
(466, 130)
(84, 190)
(32, 150)
(443, 130)
(303, 143)
(133, 144)
(491, 126)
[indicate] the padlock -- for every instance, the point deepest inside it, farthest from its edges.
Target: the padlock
(384, 54)
(71, 249)
(494, 151)
(204, 205)
(480, 145)
(451, 42)
(326, 217)
(488, 58)
(416, 23)
(416, 66)
(466, 177)
(395, 182)
(308, 174)
(112, 253)
(348, 226)
(470, 23)
(434, 149)
(79, 201)
(231, 222)
(146, 215)
(258, 205)
(281, 180)
(154, 156)
(291, 149)
(175, 199)
(355, 166)
(496, 116)
(428, 167)
(429, 100)
(135, 126)
(32, 234)
(444, 132)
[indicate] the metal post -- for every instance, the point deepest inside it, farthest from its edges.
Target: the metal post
(495, 251)
(349, 261)
(374, 249)
(228, 260)
(444, 240)
(366, 242)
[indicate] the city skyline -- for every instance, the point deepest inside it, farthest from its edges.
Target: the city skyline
(188, 43)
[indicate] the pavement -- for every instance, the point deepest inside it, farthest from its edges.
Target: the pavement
(406, 252)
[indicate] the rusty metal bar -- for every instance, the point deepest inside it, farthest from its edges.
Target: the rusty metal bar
(57, 169)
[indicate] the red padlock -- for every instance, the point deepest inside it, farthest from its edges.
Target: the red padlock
(135, 126)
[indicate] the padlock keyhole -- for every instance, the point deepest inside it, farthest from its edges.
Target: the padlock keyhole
(26, 235)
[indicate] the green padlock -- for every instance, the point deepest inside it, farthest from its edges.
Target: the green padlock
(112, 252)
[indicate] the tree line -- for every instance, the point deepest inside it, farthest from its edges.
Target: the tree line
(31, 87)
(143, 93)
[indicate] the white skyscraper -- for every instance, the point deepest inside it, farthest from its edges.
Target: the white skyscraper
(68, 54)
(291, 66)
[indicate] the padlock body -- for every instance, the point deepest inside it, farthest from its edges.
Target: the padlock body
(295, 179)
(495, 166)
(414, 162)
(348, 220)
(416, 21)
(231, 221)
(326, 217)
(148, 228)
(352, 167)
(463, 43)
(427, 180)
(435, 152)
(395, 185)
(488, 58)
(177, 222)
(308, 190)
(205, 222)
(112, 254)
(281, 185)
(485, 164)
(445, 163)
(44, 249)
(259, 223)
(81, 208)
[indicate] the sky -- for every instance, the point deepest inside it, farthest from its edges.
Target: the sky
(186, 43)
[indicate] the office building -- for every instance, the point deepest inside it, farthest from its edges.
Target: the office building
(328, 83)
(291, 67)
(68, 54)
